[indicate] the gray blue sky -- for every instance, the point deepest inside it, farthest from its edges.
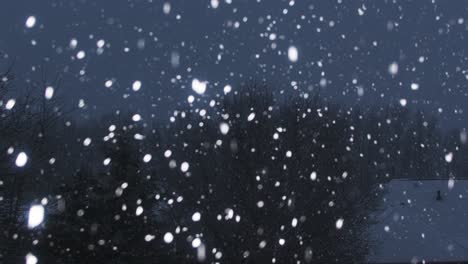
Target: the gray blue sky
(344, 49)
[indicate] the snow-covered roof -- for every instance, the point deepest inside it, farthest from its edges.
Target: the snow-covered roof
(412, 225)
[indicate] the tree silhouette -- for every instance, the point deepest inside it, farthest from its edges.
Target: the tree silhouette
(274, 178)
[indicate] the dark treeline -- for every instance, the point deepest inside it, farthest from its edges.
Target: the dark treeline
(272, 180)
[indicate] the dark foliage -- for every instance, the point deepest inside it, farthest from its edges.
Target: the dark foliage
(270, 178)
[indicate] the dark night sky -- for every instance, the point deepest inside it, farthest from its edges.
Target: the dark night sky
(337, 42)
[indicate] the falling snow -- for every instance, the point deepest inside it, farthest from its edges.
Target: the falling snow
(229, 131)
(49, 92)
(293, 54)
(31, 259)
(21, 159)
(36, 216)
(31, 22)
(393, 68)
(198, 86)
(136, 86)
(339, 223)
(168, 237)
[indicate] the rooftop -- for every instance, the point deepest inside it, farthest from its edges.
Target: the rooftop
(414, 226)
